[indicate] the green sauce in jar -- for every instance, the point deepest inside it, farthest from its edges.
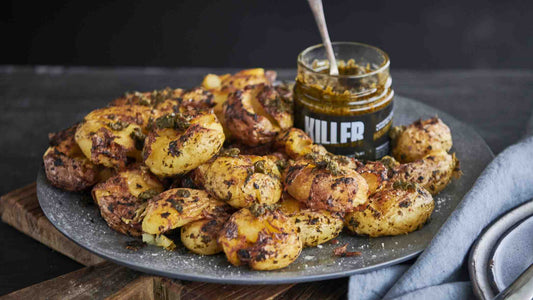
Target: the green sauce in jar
(350, 113)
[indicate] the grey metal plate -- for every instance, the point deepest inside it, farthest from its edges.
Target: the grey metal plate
(484, 257)
(82, 223)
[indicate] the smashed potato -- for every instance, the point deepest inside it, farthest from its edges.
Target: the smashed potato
(152, 99)
(400, 208)
(177, 207)
(375, 173)
(433, 172)
(201, 237)
(221, 86)
(418, 139)
(266, 240)
(123, 198)
(181, 142)
(255, 115)
(241, 180)
(109, 136)
(314, 227)
(66, 167)
(325, 185)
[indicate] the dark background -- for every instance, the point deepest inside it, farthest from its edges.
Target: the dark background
(421, 34)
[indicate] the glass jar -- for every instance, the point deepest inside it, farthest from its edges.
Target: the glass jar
(350, 113)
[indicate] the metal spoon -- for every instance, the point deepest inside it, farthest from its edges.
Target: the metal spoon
(318, 12)
(520, 289)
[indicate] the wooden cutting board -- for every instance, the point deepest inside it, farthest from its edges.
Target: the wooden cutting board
(105, 280)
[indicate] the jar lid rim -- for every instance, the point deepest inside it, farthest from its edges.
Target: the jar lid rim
(383, 66)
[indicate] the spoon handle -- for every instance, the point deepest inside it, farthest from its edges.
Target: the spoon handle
(318, 12)
(520, 289)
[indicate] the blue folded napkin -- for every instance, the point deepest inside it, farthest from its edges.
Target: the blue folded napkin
(440, 271)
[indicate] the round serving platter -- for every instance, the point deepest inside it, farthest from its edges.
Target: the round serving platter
(78, 218)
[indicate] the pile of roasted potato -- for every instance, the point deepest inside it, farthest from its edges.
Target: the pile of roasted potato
(221, 166)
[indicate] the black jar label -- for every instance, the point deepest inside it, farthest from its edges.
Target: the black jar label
(364, 136)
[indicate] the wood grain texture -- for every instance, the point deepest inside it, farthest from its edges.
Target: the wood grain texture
(105, 280)
(20, 209)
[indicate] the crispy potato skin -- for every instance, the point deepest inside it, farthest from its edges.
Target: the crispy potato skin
(177, 207)
(65, 165)
(242, 180)
(105, 135)
(119, 201)
(201, 237)
(171, 151)
(221, 86)
(198, 98)
(151, 99)
(294, 142)
(433, 172)
(256, 114)
(319, 188)
(314, 227)
(375, 173)
(420, 138)
(392, 211)
(265, 242)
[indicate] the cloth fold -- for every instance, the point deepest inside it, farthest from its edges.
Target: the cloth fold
(439, 271)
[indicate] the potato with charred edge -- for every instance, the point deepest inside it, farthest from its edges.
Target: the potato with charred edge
(418, 139)
(433, 172)
(108, 136)
(324, 184)
(241, 180)
(315, 227)
(263, 239)
(180, 142)
(152, 99)
(255, 115)
(221, 86)
(201, 237)
(400, 208)
(123, 198)
(296, 144)
(177, 207)
(375, 173)
(66, 166)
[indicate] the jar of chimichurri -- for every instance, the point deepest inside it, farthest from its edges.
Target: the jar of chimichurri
(350, 113)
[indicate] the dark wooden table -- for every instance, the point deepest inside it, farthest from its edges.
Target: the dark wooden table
(35, 101)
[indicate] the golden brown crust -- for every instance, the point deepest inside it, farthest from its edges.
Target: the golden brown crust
(420, 138)
(177, 207)
(244, 123)
(241, 180)
(123, 197)
(433, 172)
(151, 99)
(65, 165)
(179, 143)
(107, 136)
(315, 227)
(201, 237)
(399, 208)
(375, 173)
(325, 187)
(266, 241)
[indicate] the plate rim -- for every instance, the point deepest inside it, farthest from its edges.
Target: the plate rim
(281, 279)
(473, 266)
(492, 278)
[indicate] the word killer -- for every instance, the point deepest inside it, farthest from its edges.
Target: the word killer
(326, 132)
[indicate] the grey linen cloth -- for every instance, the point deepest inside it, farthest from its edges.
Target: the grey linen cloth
(440, 272)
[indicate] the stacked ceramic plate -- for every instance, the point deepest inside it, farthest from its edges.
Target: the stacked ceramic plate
(503, 251)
